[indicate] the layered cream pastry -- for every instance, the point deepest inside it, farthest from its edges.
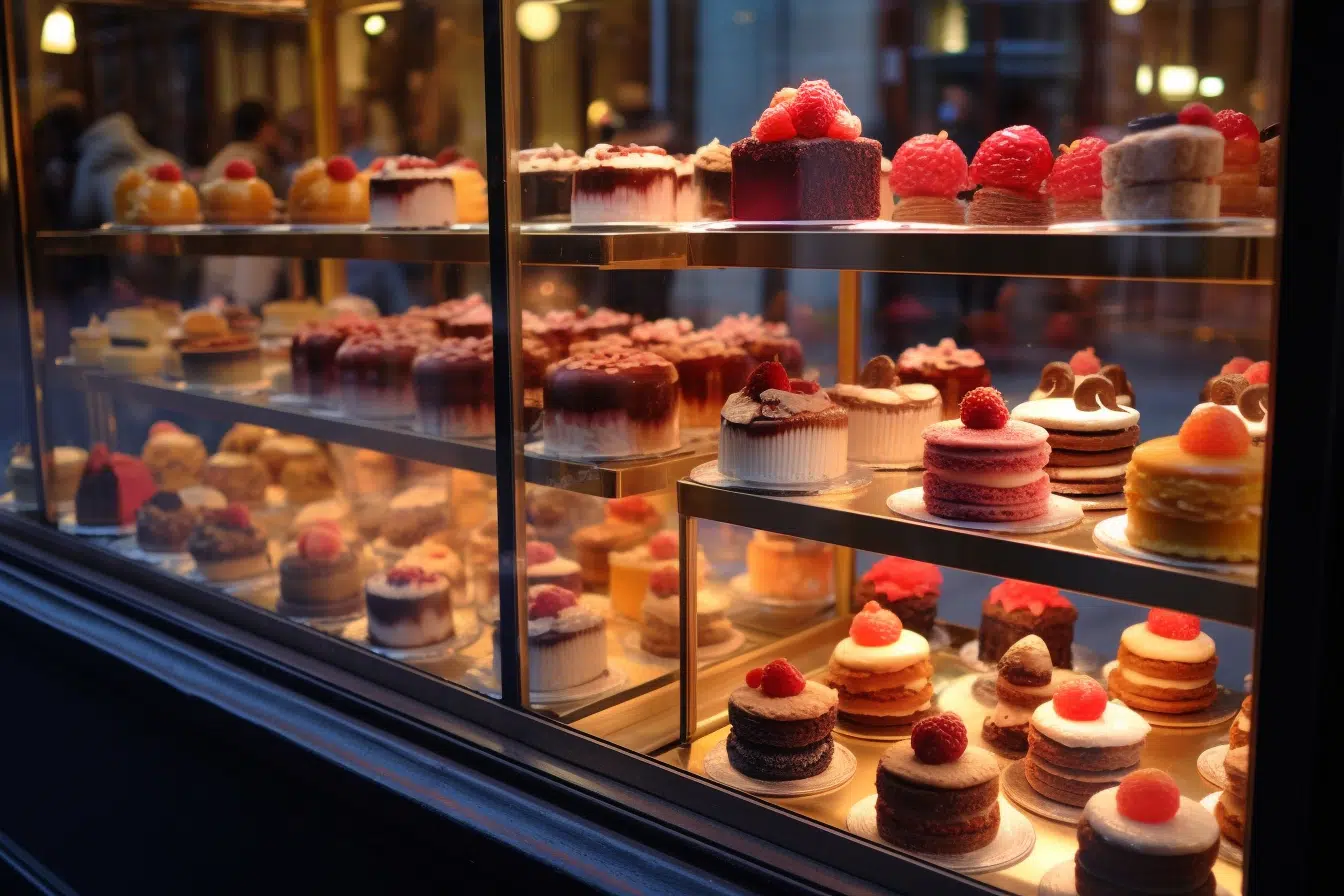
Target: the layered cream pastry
(782, 431)
(1026, 678)
(1078, 744)
(887, 417)
(881, 671)
(1092, 435)
(1166, 665)
(661, 612)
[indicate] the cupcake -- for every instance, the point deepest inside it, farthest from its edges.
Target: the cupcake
(887, 417)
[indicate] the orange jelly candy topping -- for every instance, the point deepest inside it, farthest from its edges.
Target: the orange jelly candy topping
(1214, 432)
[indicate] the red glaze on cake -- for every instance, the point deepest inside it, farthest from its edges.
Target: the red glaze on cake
(927, 173)
(112, 488)
(624, 183)
(1015, 609)
(312, 355)
(708, 371)
(909, 588)
(986, 467)
(455, 389)
(1074, 183)
(1010, 167)
(805, 161)
(613, 403)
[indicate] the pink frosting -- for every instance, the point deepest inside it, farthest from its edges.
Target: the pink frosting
(955, 434)
(896, 578)
(943, 356)
(1012, 594)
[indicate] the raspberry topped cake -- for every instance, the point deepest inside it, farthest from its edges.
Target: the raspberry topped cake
(986, 467)
(1010, 166)
(1085, 362)
(1239, 182)
(881, 671)
(566, 640)
(227, 546)
(1249, 401)
(1164, 168)
(886, 417)
(1074, 184)
(908, 588)
(320, 578)
(1166, 665)
(781, 724)
(1015, 609)
(1092, 436)
(455, 389)
(781, 431)
(952, 371)
(408, 607)
(1142, 837)
(805, 161)
(661, 612)
(927, 173)
(1078, 744)
(1026, 679)
(935, 794)
(624, 183)
(611, 403)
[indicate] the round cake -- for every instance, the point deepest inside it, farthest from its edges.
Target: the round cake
(227, 547)
(614, 403)
(321, 577)
(174, 457)
(1078, 744)
(164, 523)
(1250, 402)
(908, 588)
(886, 417)
(952, 371)
(408, 607)
(1026, 679)
(1091, 435)
(782, 431)
(660, 634)
(781, 724)
(881, 671)
(1166, 665)
(455, 389)
(566, 640)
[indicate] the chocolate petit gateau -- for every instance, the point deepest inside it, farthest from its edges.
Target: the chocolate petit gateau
(375, 374)
(408, 607)
(1078, 744)
(612, 403)
(321, 577)
(781, 725)
(1026, 679)
(455, 389)
(227, 547)
(164, 523)
(908, 588)
(1015, 609)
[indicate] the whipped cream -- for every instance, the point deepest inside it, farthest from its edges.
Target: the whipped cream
(905, 651)
(1141, 641)
(1192, 829)
(1118, 726)
(1173, 684)
(903, 394)
(1062, 413)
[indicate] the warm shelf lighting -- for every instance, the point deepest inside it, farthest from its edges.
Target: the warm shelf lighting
(952, 34)
(1127, 7)
(58, 32)
(1143, 79)
(375, 25)
(1211, 86)
(1177, 82)
(598, 110)
(537, 21)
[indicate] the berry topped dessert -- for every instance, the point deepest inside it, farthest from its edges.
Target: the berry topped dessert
(164, 199)
(1074, 183)
(886, 416)
(227, 547)
(239, 197)
(1010, 166)
(661, 612)
(1092, 435)
(805, 161)
(1026, 679)
(1084, 362)
(1249, 401)
(333, 192)
(566, 640)
(408, 607)
(624, 183)
(1166, 665)
(631, 569)
(927, 173)
(1198, 494)
(320, 578)
(111, 488)
(546, 175)
(1142, 838)
(1164, 168)
(935, 794)
(986, 467)
(1239, 183)
(952, 371)
(908, 588)
(778, 430)
(881, 671)
(163, 524)
(781, 724)
(611, 403)
(1079, 744)
(1015, 609)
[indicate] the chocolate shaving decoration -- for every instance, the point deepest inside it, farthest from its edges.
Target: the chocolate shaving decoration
(1254, 402)
(1208, 387)
(1119, 379)
(1094, 392)
(1226, 389)
(879, 373)
(1056, 380)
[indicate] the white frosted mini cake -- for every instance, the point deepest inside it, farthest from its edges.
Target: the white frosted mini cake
(412, 191)
(886, 418)
(618, 402)
(624, 183)
(782, 431)
(566, 641)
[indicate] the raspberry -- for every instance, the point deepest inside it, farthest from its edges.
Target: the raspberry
(168, 172)
(874, 626)
(1015, 158)
(804, 387)
(928, 165)
(162, 427)
(320, 543)
(845, 127)
(1148, 796)
(774, 125)
(99, 457)
(1077, 172)
(939, 739)
(1214, 432)
(549, 600)
(663, 546)
(446, 156)
(665, 581)
(780, 678)
(1173, 625)
(770, 375)
(235, 515)
(1257, 373)
(539, 552)
(1085, 362)
(814, 107)
(754, 677)
(1080, 699)
(983, 408)
(408, 575)
(341, 169)
(1234, 125)
(632, 508)
(377, 164)
(783, 95)
(240, 169)
(1196, 114)
(1237, 365)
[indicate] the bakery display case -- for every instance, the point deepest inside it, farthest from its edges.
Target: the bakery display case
(867, 445)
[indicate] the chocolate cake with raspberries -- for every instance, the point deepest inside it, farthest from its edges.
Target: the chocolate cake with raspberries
(935, 794)
(781, 724)
(454, 388)
(778, 430)
(611, 403)
(1078, 744)
(806, 161)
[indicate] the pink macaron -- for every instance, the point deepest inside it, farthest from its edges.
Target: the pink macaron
(941, 489)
